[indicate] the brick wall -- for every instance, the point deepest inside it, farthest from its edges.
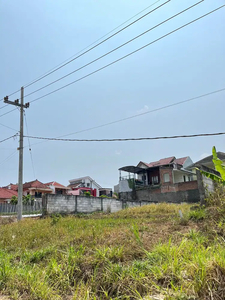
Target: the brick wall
(186, 186)
(164, 171)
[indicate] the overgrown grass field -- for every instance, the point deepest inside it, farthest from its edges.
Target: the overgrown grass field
(138, 253)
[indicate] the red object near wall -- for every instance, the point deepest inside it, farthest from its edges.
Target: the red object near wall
(94, 192)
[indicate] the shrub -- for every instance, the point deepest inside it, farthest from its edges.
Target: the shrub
(87, 194)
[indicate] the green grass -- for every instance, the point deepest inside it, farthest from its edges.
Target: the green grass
(137, 253)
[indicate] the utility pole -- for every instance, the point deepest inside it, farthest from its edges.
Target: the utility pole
(20, 177)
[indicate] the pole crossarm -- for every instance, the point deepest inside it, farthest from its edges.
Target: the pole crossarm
(16, 102)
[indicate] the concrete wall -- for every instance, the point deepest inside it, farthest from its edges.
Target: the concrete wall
(124, 186)
(69, 204)
(208, 184)
(176, 193)
(190, 196)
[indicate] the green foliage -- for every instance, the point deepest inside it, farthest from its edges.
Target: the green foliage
(131, 183)
(104, 196)
(197, 215)
(14, 200)
(137, 253)
(87, 194)
(55, 218)
(219, 166)
(27, 200)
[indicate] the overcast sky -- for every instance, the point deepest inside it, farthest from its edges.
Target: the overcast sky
(36, 36)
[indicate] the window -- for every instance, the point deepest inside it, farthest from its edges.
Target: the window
(184, 178)
(38, 195)
(88, 184)
(58, 192)
(155, 179)
(166, 177)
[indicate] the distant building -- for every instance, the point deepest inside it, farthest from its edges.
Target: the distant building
(6, 195)
(57, 188)
(84, 184)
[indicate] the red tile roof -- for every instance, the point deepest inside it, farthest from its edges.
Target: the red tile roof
(56, 184)
(180, 161)
(6, 193)
(11, 186)
(34, 184)
(162, 162)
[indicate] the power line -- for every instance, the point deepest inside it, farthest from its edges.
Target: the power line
(13, 136)
(8, 127)
(115, 49)
(135, 21)
(129, 54)
(8, 112)
(85, 47)
(128, 139)
(10, 94)
(93, 42)
(8, 157)
(141, 114)
(3, 106)
(147, 112)
(31, 156)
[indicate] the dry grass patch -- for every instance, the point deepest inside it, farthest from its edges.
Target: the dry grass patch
(133, 254)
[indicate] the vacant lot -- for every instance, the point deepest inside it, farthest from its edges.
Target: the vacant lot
(139, 253)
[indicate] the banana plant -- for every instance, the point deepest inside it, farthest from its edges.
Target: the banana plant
(219, 166)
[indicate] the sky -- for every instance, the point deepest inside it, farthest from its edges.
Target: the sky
(37, 36)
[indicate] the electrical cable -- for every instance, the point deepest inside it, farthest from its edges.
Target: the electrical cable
(86, 47)
(115, 49)
(135, 21)
(3, 106)
(31, 156)
(129, 54)
(94, 42)
(128, 139)
(140, 114)
(8, 157)
(8, 127)
(8, 112)
(13, 136)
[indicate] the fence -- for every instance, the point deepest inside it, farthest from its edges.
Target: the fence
(68, 204)
(7, 208)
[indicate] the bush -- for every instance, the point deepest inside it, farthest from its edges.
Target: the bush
(87, 194)
(14, 200)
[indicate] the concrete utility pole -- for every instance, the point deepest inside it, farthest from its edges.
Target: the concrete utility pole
(20, 177)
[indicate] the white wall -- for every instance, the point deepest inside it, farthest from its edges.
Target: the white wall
(187, 162)
(179, 176)
(124, 186)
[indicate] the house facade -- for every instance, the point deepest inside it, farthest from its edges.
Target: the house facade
(80, 185)
(167, 175)
(36, 188)
(57, 188)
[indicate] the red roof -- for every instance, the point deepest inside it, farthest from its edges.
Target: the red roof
(180, 161)
(6, 193)
(34, 184)
(11, 186)
(56, 184)
(161, 162)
